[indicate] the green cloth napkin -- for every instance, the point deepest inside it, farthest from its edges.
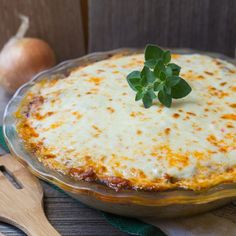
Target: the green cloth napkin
(2, 141)
(128, 225)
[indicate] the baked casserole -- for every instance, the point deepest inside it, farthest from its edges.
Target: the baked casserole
(88, 126)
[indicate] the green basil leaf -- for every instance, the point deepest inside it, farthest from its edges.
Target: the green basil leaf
(181, 89)
(167, 89)
(148, 74)
(166, 57)
(173, 80)
(134, 79)
(152, 94)
(138, 88)
(139, 95)
(144, 72)
(162, 76)
(158, 86)
(153, 52)
(134, 74)
(165, 98)
(150, 63)
(175, 68)
(147, 100)
(134, 82)
(144, 81)
(169, 72)
(158, 68)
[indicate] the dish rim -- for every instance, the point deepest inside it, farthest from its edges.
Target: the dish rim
(98, 190)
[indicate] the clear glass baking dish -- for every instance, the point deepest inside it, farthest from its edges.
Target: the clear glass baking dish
(132, 203)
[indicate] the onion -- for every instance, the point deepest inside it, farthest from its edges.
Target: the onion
(22, 58)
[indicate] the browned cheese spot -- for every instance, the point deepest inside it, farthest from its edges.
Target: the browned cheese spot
(176, 115)
(167, 131)
(229, 116)
(208, 73)
(139, 132)
(110, 109)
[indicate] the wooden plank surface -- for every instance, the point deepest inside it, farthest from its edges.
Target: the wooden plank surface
(202, 24)
(59, 22)
(68, 216)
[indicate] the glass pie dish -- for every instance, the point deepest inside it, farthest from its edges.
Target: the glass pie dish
(163, 204)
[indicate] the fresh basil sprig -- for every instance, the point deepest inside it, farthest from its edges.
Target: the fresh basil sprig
(158, 79)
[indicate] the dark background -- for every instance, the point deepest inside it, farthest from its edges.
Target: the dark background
(75, 27)
(199, 24)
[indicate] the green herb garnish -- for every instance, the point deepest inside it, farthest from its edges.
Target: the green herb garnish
(158, 79)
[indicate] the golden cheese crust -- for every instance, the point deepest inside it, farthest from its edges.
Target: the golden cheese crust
(88, 126)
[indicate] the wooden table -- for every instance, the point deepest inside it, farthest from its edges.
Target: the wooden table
(68, 216)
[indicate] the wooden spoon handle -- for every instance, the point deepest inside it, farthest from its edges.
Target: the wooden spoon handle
(36, 224)
(22, 207)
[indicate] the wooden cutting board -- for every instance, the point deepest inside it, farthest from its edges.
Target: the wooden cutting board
(21, 199)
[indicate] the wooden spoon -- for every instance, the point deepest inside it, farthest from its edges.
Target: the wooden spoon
(21, 203)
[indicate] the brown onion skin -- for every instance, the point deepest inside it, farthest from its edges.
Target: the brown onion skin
(21, 59)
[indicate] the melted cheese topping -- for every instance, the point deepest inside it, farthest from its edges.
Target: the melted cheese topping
(89, 126)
